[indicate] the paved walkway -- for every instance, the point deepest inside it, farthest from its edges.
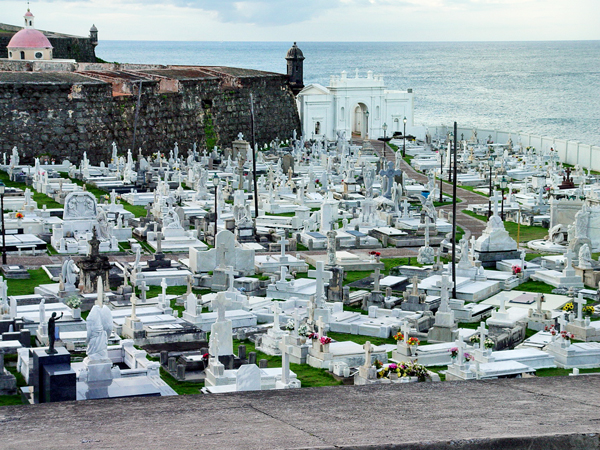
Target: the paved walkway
(474, 226)
(536, 413)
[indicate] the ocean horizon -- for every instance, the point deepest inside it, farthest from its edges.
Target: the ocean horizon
(548, 88)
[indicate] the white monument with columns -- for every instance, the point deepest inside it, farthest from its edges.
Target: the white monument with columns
(354, 104)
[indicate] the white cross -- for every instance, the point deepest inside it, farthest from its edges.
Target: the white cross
(461, 351)
(231, 277)
(143, 289)
(580, 301)
(495, 198)
(562, 322)
(376, 276)
(445, 286)
(285, 361)
(283, 242)
(368, 349)
(569, 255)
(321, 326)
(221, 252)
(405, 331)
(220, 302)
(322, 276)
(482, 334)
(415, 285)
(276, 311)
(133, 305)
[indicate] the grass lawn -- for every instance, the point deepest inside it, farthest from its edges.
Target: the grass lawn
(535, 286)
(136, 210)
(527, 232)
(562, 372)
(360, 339)
(181, 387)
(308, 376)
(41, 199)
(26, 287)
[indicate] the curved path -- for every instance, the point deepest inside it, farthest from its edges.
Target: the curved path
(466, 222)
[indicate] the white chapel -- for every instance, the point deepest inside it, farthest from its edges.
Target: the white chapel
(357, 106)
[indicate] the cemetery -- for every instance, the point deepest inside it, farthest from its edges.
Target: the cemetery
(176, 274)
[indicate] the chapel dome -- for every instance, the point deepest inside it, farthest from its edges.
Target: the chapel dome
(294, 53)
(29, 38)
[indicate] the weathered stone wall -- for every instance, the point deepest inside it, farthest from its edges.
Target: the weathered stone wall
(63, 115)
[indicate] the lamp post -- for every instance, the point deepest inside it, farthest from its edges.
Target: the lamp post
(215, 182)
(503, 184)
(441, 175)
(404, 139)
(2, 187)
(450, 138)
(384, 126)
(491, 164)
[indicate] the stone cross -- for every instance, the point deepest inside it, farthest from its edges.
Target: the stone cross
(221, 302)
(322, 276)
(321, 326)
(405, 207)
(376, 276)
(427, 225)
(389, 173)
(562, 322)
(283, 241)
(415, 285)
(482, 334)
(445, 287)
(163, 285)
(143, 289)
(159, 237)
(221, 252)
(405, 331)
(580, 301)
(276, 311)
(568, 265)
(230, 276)
(285, 361)
(495, 199)
(368, 350)
(133, 305)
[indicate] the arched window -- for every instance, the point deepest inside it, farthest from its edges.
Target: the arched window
(377, 112)
(22, 54)
(318, 128)
(342, 116)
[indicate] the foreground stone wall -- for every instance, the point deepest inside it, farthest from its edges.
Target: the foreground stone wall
(64, 114)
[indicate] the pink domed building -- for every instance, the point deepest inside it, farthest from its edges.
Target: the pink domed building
(29, 43)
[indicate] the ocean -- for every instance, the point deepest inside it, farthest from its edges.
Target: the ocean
(544, 88)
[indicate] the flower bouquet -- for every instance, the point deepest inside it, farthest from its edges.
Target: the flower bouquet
(399, 336)
(568, 307)
(412, 341)
(475, 339)
(453, 352)
(468, 357)
(588, 310)
(290, 325)
(325, 340)
(488, 343)
(313, 336)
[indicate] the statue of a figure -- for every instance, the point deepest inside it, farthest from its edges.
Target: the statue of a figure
(69, 273)
(585, 257)
(581, 222)
(52, 332)
(99, 327)
(103, 226)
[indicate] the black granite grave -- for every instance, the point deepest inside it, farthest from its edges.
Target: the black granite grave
(53, 379)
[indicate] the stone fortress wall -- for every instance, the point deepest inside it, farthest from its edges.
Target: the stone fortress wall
(62, 114)
(65, 46)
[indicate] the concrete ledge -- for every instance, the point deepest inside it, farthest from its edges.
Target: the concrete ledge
(537, 413)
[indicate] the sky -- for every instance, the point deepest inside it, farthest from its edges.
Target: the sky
(316, 20)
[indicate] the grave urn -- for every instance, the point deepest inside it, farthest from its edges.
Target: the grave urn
(76, 313)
